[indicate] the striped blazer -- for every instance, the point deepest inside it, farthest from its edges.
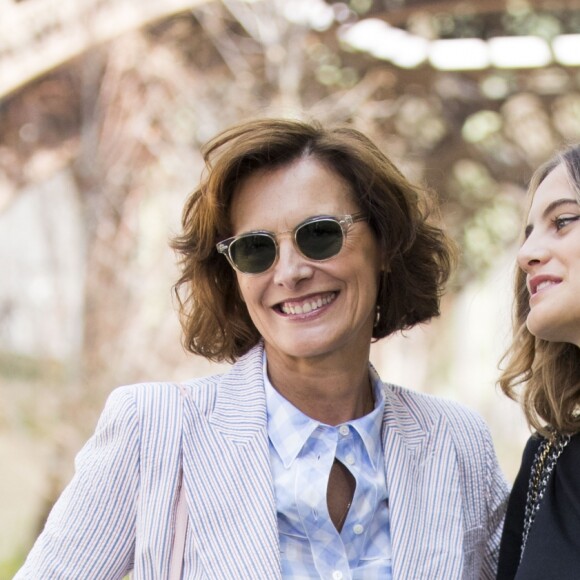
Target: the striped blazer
(447, 495)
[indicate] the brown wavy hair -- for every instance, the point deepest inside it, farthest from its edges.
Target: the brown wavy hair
(215, 321)
(543, 375)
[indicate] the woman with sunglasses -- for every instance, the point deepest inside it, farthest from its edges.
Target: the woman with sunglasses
(541, 538)
(300, 247)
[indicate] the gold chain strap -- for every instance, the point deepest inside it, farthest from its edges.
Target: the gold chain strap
(542, 467)
(539, 467)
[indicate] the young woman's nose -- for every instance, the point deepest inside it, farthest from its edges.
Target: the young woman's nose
(534, 251)
(291, 267)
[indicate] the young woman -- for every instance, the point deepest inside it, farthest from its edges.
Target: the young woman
(541, 537)
(301, 245)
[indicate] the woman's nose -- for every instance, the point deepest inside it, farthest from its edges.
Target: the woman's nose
(291, 267)
(534, 251)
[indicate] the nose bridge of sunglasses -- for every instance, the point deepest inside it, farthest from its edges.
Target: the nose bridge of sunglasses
(286, 244)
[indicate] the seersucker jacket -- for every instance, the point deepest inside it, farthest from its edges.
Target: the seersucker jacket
(447, 495)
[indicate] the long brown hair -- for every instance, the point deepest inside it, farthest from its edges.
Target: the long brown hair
(215, 320)
(544, 375)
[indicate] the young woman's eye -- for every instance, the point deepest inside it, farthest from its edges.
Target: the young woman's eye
(562, 221)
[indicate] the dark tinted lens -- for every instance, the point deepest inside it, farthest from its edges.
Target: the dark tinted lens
(320, 240)
(254, 253)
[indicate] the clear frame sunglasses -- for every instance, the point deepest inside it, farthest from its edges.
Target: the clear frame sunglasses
(317, 238)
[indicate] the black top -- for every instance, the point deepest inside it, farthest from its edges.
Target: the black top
(553, 546)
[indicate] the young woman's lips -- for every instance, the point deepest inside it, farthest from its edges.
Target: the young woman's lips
(539, 284)
(307, 305)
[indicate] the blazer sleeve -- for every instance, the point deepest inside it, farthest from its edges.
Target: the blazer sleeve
(497, 493)
(90, 532)
(511, 541)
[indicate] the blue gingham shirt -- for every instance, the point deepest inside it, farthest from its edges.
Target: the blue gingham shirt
(302, 452)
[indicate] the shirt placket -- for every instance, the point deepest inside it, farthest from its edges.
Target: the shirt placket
(311, 485)
(350, 452)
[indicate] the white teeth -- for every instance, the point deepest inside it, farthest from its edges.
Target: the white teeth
(307, 307)
(544, 284)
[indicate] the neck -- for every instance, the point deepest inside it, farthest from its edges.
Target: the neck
(329, 393)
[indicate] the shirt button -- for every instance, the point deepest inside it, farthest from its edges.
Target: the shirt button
(337, 575)
(350, 459)
(343, 430)
(358, 529)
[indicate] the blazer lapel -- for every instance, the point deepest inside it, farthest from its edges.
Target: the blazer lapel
(424, 493)
(227, 477)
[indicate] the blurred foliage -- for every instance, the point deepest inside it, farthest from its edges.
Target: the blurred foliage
(229, 60)
(10, 566)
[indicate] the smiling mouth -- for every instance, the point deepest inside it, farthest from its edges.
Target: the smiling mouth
(308, 305)
(543, 286)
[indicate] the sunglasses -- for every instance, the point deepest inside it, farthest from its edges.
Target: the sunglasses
(318, 238)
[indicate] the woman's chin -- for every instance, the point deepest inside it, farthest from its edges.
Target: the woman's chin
(548, 331)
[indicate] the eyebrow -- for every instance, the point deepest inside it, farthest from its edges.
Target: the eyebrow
(549, 209)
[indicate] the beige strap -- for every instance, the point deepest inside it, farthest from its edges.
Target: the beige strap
(179, 536)
(178, 551)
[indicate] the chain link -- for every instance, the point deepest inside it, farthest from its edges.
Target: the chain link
(542, 467)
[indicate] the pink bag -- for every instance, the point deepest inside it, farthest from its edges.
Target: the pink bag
(179, 536)
(178, 550)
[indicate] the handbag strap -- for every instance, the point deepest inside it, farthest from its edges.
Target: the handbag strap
(179, 535)
(178, 551)
(544, 462)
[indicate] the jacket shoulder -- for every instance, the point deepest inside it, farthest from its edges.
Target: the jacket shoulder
(152, 401)
(461, 426)
(234, 384)
(427, 409)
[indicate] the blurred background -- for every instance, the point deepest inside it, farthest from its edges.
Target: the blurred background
(103, 107)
